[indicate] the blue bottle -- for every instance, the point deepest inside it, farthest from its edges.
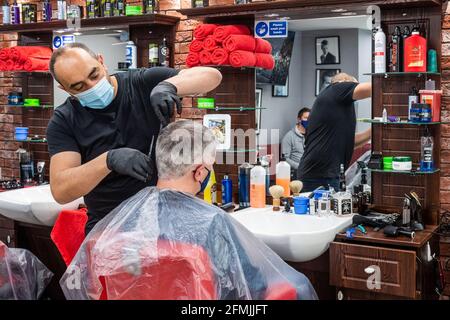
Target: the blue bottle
(244, 185)
(227, 190)
(47, 11)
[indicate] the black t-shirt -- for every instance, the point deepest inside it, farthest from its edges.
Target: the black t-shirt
(330, 137)
(129, 121)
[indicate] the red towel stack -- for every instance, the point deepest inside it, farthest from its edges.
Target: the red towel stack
(28, 58)
(230, 44)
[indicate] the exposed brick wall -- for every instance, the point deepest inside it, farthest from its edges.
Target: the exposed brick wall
(445, 131)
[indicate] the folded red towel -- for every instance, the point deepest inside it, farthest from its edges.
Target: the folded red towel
(265, 61)
(263, 46)
(34, 64)
(2, 65)
(239, 42)
(210, 44)
(204, 30)
(18, 66)
(222, 32)
(220, 57)
(68, 232)
(242, 59)
(4, 54)
(192, 59)
(196, 46)
(22, 53)
(9, 65)
(205, 57)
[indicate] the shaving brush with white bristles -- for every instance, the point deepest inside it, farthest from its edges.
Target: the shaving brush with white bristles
(296, 186)
(276, 192)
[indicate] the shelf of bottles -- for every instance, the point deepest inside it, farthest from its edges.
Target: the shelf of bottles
(402, 122)
(409, 172)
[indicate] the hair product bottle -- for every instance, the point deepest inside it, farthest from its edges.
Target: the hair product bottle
(380, 51)
(258, 186)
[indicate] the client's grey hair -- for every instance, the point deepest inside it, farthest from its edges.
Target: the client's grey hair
(183, 145)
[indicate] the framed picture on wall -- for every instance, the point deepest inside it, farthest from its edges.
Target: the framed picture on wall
(323, 78)
(328, 50)
(258, 105)
(220, 124)
(281, 91)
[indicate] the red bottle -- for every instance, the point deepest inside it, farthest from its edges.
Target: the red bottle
(415, 53)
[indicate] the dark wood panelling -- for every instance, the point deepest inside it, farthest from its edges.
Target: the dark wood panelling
(392, 93)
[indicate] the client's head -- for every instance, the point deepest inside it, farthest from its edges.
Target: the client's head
(185, 153)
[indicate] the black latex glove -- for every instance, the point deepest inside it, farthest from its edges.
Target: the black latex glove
(162, 98)
(130, 162)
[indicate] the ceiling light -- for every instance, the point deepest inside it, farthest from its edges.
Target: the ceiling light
(119, 31)
(348, 14)
(77, 33)
(339, 10)
(59, 31)
(102, 28)
(271, 15)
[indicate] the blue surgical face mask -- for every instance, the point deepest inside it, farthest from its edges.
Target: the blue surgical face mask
(204, 183)
(97, 97)
(304, 123)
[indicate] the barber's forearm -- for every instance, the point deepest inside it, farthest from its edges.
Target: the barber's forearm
(362, 138)
(196, 80)
(71, 184)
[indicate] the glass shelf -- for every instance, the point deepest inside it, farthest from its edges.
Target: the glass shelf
(30, 107)
(412, 173)
(402, 123)
(238, 150)
(231, 108)
(32, 140)
(396, 74)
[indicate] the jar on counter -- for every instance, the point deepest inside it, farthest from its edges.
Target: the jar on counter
(15, 98)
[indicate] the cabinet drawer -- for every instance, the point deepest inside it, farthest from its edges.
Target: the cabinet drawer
(8, 237)
(357, 267)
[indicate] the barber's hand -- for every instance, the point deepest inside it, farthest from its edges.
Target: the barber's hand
(130, 162)
(162, 98)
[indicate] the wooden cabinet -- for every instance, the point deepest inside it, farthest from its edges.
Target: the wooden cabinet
(374, 266)
(445, 263)
(373, 269)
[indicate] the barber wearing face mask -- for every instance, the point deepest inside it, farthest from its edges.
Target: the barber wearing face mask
(100, 139)
(293, 143)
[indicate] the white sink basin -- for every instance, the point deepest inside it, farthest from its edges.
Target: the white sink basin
(33, 205)
(296, 238)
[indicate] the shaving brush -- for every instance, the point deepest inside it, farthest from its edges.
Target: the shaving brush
(276, 192)
(296, 186)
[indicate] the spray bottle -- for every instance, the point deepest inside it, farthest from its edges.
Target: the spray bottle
(380, 51)
(258, 186)
(283, 175)
(210, 192)
(6, 12)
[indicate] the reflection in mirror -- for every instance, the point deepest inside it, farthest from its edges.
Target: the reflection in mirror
(315, 51)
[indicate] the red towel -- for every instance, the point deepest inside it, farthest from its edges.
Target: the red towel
(210, 44)
(220, 57)
(222, 32)
(196, 46)
(68, 232)
(192, 59)
(18, 66)
(205, 57)
(204, 30)
(242, 59)
(2, 65)
(22, 53)
(9, 65)
(265, 61)
(34, 64)
(239, 42)
(263, 46)
(4, 54)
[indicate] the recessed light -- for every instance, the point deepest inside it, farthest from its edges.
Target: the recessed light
(271, 15)
(119, 31)
(102, 28)
(339, 10)
(59, 31)
(77, 33)
(404, 14)
(348, 14)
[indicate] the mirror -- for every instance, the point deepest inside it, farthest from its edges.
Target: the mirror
(315, 50)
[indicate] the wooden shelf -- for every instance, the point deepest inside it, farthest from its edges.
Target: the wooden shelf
(254, 7)
(94, 23)
(378, 237)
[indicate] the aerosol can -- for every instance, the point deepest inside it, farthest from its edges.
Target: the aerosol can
(380, 51)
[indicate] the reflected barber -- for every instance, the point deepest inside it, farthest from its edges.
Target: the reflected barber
(100, 138)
